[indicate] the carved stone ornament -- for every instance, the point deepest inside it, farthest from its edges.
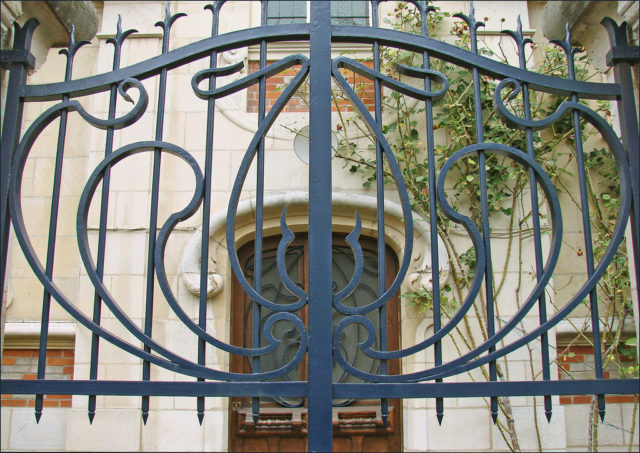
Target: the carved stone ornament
(418, 279)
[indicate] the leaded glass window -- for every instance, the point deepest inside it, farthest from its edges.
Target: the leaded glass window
(354, 12)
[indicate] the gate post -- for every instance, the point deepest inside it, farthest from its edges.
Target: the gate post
(621, 57)
(320, 292)
(18, 61)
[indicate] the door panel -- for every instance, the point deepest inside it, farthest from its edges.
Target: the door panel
(282, 424)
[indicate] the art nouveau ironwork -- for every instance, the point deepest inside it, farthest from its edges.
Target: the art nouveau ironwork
(312, 341)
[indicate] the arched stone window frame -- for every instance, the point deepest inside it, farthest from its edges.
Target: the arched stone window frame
(344, 207)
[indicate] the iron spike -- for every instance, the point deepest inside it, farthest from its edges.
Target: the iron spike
(385, 419)
(168, 20)
(601, 411)
(440, 417)
(519, 29)
(92, 414)
(72, 36)
(548, 414)
(255, 416)
(71, 50)
(119, 26)
(38, 414)
(494, 416)
(167, 11)
(145, 416)
(120, 35)
(200, 417)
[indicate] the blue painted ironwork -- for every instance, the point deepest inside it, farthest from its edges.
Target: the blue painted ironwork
(521, 42)
(321, 342)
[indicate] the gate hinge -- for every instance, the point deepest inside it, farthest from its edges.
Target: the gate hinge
(20, 56)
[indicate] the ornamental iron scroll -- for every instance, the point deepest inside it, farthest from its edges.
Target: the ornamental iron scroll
(319, 345)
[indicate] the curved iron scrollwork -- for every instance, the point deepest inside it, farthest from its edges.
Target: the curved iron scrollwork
(471, 360)
(278, 328)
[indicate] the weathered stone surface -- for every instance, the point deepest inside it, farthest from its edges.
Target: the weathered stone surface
(81, 14)
(557, 14)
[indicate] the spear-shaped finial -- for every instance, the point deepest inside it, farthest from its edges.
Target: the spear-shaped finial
(120, 35)
(168, 18)
(494, 414)
(519, 26)
(569, 50)
(119, 38)
(424, 10)
(473, 25)
(215, 6)
(166, 25)
(71, 50)
(520, 40)
(215, 12)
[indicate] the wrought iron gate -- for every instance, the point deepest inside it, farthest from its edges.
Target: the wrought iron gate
(315, 339)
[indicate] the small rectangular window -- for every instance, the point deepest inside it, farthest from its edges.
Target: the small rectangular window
(286, 12)
(354, 12)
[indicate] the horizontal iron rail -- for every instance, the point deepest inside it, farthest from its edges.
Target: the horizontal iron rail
(172, 59)
(300, 32)
(486, 389)
(152, 388)
(362, 391)
(486, 66)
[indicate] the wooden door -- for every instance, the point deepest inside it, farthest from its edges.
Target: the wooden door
(357, 425)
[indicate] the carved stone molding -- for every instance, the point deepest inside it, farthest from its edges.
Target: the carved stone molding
(344, 206)
(584, 19)
(55, 18)
(11, 11)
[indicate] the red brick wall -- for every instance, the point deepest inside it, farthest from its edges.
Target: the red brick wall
(276, 84)
(579, 361)
(23, 364)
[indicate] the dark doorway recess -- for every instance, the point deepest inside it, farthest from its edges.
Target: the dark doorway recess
(282, 423)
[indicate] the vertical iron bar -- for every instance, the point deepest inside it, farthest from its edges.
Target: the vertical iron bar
(588, 239)
(486, 236)
(11, 125)
(320, 291)
(631, 141)
(533, 188)
(206, 206)
(256, 312)
(382, 315)
(588, 246)
(629, 129)
(155, 193)
(486, 229)
(433, 214)
(53, 227)
(104, 210)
